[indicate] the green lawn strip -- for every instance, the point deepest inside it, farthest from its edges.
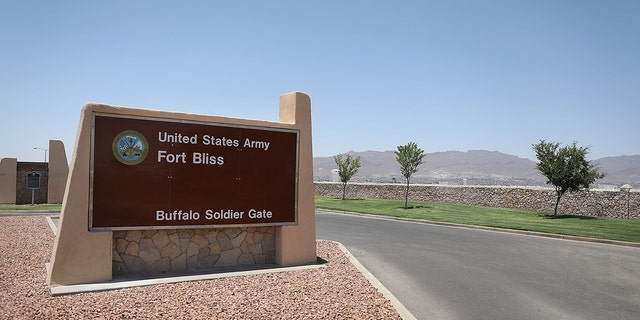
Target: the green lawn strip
(600, 228)
(36, 207)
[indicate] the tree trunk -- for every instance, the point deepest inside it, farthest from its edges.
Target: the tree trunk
(344, 190)
(406, 195)
(555, 211)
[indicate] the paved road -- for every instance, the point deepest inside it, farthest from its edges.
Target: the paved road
(456, 273)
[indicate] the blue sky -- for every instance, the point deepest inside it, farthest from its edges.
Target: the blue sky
(449, 75)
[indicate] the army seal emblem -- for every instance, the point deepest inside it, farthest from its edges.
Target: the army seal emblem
(130, 147)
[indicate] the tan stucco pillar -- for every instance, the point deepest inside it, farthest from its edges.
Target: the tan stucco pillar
(79, 256)
(8, 176)
(297, 244)
(58, 171)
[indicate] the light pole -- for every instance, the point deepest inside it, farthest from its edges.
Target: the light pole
(45, 152)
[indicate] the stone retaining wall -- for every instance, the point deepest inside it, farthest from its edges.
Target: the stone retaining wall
(595, 203)
(159, 251)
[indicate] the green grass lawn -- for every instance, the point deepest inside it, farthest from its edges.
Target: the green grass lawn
(35, 207)
(601, 228)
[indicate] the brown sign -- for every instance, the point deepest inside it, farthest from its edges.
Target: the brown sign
(158, 173)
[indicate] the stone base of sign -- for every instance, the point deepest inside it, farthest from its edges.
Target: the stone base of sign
(160, 251)
(83, 256)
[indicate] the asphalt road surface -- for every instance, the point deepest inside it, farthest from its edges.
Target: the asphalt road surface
(440, 272)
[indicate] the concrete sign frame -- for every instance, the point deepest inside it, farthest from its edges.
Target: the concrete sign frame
(83, 256)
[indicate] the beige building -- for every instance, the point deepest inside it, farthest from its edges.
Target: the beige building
(35, 182)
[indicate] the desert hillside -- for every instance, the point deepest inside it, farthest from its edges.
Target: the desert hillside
(477, 167)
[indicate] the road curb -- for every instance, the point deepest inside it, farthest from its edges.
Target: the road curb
(494, 229)
(400, 308)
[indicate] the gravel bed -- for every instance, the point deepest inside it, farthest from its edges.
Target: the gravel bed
(336, 291)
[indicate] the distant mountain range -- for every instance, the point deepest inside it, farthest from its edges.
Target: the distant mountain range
(475, 167)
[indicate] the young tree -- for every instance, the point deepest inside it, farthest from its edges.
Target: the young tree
(409, 157)
(347, 168)
(565, 167)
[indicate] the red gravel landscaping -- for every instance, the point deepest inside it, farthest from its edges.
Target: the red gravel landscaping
(336, 291)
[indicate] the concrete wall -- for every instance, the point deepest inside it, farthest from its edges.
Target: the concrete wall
(58, 171)
(595, 203)
(53, 178)
(8, 171)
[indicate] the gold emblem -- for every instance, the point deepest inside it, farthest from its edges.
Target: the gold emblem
(130, 147)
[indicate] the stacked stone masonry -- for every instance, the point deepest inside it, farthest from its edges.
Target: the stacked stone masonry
(160, 251)
(23, 194)
(594, 203)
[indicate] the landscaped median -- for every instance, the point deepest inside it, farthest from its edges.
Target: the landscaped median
(579, 226)
(337, 290)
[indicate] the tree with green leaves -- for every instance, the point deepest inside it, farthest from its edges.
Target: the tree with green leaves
(347, 168)
(566, 168)
(409, 157)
